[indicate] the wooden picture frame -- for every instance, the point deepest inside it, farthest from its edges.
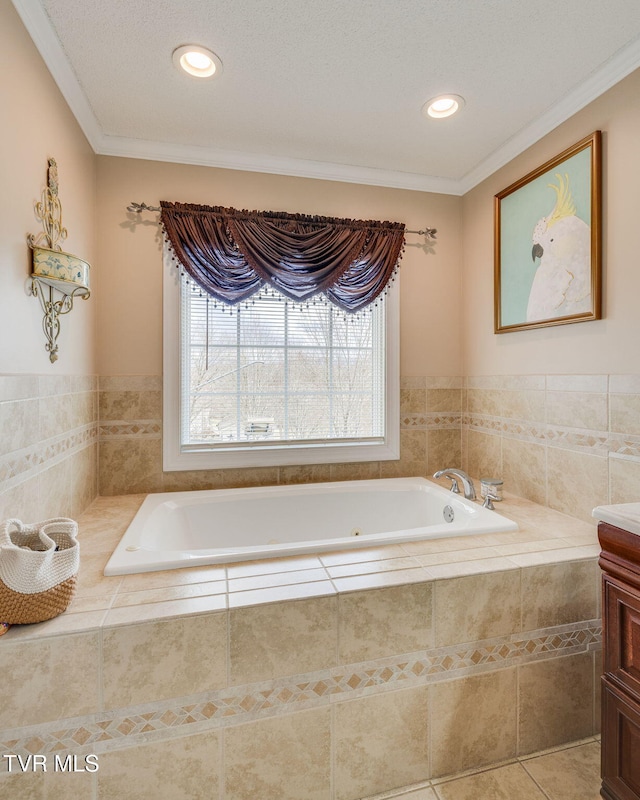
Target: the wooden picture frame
(547, 242)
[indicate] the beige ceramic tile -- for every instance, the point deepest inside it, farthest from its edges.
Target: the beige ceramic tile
(577, 482)
(130, 466)
(19, 425)
(444, 400)
(624, 480)
(524, 469)
(55, 415)
(424, 792)
(381, 742)
(571, 774)
(55, 490)
(555, 702)
(477, 566)
(359, 554)
(577, 383)
(159, 660)
(557, 594)
(444, 449)
(505, 783)
(278, 594)
(484, 454)
(526, 405)
(22, 786)
(308, 473)
(49, 679)
(384, 622)
(49, 785)
(473, 721)
(64, 785)
(178, 768)
(172, 577)
(413, 396)
(165, 610)
(272, 566)
(368, 567)
(413, 446)
(455, 556)
(91, 578)
(256, 476)
(160, 595)
(129, 405)
(192, 480)
(366, 470)
(279, 639)
(484, 401)
(18, 387)
(83, 473)
(130, 383)
(625, 413)
(283, 758)
(378, 580)
(578, 410)
(277, 579)
(476, 607)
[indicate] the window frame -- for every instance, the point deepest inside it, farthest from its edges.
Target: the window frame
(268, 455)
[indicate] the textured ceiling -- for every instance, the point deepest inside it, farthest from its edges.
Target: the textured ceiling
(334, 87)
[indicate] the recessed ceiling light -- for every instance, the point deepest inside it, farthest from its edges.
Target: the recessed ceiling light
(197, 61)
(443, 106)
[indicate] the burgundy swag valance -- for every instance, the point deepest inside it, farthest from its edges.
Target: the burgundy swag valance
(232, 254)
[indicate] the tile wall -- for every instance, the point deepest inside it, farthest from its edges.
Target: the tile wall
(570, 442)
(48, 445)
(325, 698)
(131, 446)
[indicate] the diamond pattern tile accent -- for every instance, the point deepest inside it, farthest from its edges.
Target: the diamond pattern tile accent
(228, 707)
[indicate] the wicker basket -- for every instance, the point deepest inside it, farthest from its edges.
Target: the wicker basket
(38, 568)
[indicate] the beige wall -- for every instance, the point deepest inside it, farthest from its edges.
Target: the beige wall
(48, 430)
(36, 125)
(129, 304)
(609, 345)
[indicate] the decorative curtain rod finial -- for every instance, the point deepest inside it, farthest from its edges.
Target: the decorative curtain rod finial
(138, 208)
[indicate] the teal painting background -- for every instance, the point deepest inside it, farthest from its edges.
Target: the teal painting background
(519, 213)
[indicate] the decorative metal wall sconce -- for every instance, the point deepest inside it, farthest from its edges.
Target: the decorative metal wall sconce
(57, 277)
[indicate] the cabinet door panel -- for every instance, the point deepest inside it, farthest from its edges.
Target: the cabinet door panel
(620, 745)
(622, 646)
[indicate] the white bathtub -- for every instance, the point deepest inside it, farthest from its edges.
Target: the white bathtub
(185, 529)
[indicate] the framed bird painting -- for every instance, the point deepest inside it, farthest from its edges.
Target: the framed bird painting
(547, 246)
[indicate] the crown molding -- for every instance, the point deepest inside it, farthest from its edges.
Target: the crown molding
(623, 63)
(274, 165)
(39, 27)
(41, 31)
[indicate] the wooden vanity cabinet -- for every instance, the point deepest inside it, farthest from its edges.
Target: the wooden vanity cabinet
(620, 563)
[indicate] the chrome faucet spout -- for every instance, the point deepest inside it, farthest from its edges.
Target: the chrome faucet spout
(454, 476)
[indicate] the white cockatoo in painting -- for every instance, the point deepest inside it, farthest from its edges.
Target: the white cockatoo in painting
(562, 241)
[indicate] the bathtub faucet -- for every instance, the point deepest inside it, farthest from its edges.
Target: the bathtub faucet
(456, 475)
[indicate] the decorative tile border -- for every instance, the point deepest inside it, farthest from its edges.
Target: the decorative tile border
(110, 730)
(595, 442)
(21, 465)
(434, 420)
(138, 429)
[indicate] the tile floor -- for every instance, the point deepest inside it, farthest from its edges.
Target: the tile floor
(571, 772)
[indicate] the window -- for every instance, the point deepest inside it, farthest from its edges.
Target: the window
(272, 382)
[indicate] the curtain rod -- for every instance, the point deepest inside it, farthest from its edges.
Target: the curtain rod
(138, 208)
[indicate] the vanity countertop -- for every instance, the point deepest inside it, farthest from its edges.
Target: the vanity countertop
(622, 515)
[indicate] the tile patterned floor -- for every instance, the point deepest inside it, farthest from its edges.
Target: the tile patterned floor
(568, 773)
